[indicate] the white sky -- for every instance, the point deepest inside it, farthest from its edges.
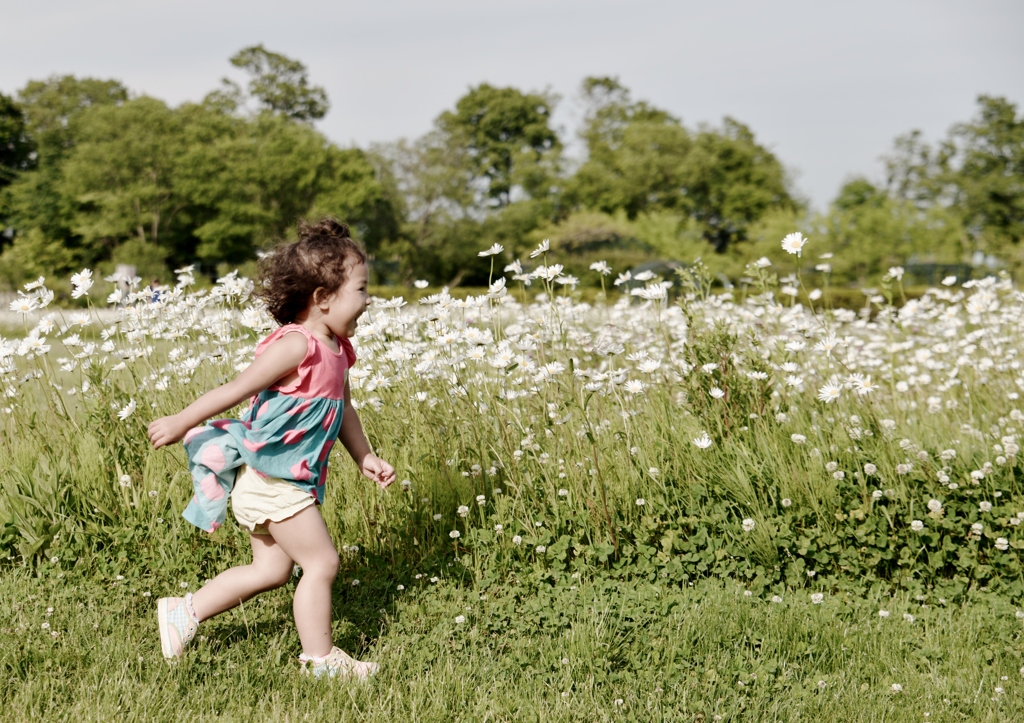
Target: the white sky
(826, 85)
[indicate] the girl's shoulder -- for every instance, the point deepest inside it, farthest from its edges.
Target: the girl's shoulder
(280, 332)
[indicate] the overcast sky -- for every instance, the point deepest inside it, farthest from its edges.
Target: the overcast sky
(825, 85)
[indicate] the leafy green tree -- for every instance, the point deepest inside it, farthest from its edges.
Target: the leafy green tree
(869, 231)
(977, 172)
(17, 148)
(35, 201)
(730, 181)
(429, 182)
(121, 174)
(250, 179)
(279, 83)
(52, 108)
(634, 153)
(641, 159)
(986, 164)
(508, 139)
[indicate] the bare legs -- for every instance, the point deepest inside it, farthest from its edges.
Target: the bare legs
(302, 538)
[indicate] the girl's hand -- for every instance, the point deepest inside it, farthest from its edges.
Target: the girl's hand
(167, 430)
(378, 470)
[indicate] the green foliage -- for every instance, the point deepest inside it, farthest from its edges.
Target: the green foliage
(977, 172)
(16, 146)
(642, 159)
(197, 181)
(53, 107)
(280, 84)
(868, 231)
(507, 140)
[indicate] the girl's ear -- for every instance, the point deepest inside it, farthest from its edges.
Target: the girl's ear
(320, 296)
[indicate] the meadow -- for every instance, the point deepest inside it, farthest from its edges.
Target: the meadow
(669, 502)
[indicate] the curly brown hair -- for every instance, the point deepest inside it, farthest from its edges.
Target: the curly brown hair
(321, 259)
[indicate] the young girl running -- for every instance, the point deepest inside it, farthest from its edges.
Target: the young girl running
(273, 461)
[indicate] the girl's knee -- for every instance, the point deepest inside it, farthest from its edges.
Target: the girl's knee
(324, 566)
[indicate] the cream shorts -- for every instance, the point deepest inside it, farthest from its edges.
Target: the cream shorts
(257, 500)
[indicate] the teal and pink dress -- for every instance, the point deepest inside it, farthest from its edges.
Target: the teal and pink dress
(287, 432)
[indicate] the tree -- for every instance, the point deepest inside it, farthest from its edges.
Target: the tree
(52, 108)
(977, 172)
(641, 159)
(869, 231)
(17, 148)
(121, 174)
(985, 162)
(279, 83)
(507, 137)
(730, 181)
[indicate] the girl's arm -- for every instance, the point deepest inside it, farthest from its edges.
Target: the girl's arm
(351, 435)
(280, 359)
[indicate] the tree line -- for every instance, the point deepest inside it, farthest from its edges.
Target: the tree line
(93, 175)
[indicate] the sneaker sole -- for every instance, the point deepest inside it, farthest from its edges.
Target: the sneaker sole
(165, 638)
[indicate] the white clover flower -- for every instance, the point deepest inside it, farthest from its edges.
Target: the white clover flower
(897, 688)
(870, 468)
(634, 386)
(776, 599)
(883, 613)
(455, 534)
(817, 598)
(916, 525)
(793, 243)
(127, 410)
(543, 247)
(563, 493)
(798, 438)
(125, 480)
(437, 517)
(1002, 544)
(977, 528)
(459, 619)
(516, 540)
(749, 524)
(909, 618)
(934, 506)
(640, 502)
(985, 506)
(786, 502)
(830, 392)
(541, 549)
(463, 510)
(703, 441)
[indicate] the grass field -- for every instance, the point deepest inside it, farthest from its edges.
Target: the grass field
(635, 508)
(551, 648)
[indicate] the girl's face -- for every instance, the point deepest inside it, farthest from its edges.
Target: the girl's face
(348, 303)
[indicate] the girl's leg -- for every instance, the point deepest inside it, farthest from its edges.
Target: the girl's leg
(271, 568)
(305, 539)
